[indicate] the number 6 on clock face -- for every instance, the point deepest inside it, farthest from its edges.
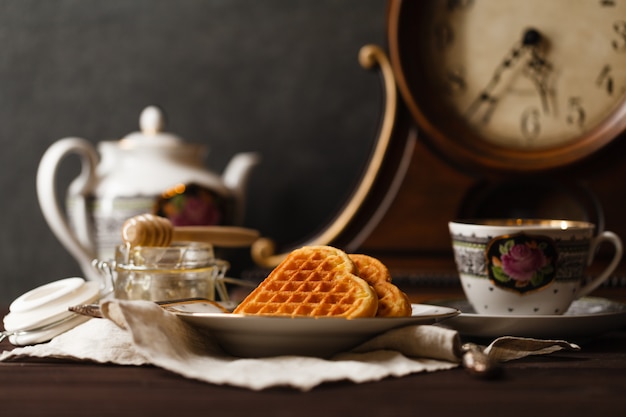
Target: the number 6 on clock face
(508, 84)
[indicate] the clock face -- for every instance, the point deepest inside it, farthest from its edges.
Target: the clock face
(538, 82)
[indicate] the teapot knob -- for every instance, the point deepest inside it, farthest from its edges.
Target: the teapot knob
(152, 125)
(151, 120)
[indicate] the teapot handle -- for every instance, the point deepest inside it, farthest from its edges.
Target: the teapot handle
(77, 243)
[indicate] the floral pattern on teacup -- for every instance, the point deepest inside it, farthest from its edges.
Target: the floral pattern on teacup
(521, 262)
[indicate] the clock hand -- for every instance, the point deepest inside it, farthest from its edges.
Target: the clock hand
(539, 71)
(487, 97)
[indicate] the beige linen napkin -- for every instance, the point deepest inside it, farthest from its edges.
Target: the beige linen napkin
(140, 332)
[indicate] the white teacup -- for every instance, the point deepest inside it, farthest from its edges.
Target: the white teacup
(527, 267)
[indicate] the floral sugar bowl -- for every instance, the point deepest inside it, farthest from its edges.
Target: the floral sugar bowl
(146, 171)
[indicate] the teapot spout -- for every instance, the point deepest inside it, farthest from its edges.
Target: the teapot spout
(236, 177)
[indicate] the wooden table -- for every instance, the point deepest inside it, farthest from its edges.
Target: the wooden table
(590, 382)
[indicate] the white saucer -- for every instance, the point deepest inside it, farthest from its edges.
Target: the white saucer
(585, 318)
(262, 336)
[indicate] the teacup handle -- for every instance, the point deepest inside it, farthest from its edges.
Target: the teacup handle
(76, 242)
(617, 256)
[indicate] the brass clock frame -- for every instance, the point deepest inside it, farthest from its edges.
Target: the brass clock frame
(379, 182)
(454, 140)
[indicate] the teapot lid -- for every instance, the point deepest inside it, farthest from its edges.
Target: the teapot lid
(151, 123)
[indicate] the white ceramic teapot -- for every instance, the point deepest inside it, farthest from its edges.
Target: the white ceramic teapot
(146, 172)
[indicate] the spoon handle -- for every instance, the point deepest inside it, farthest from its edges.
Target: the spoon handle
(94, 311)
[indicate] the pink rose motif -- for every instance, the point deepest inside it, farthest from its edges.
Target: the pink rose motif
(523, 261)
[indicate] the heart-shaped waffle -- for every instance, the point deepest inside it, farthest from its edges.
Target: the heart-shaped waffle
(312, 281)
(391, 301)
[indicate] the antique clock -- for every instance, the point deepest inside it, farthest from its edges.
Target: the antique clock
(512, 85)
(500, 89)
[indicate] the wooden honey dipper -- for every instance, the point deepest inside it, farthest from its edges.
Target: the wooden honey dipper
(152, 230)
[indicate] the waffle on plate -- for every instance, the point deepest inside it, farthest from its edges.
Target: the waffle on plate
(323, 281)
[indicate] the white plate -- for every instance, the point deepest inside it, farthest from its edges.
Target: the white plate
(585, 318)
(262, 336)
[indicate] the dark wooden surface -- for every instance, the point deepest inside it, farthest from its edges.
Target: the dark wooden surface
(589, 382)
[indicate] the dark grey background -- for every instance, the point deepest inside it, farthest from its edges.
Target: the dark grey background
(280, 77)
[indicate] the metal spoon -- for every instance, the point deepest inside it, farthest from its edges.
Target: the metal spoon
(479, 363)
(94, 311)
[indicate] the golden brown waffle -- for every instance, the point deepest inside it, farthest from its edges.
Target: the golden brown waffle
(391, 301)
(312, 281)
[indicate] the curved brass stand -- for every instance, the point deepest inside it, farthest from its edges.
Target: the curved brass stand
(264, 249)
